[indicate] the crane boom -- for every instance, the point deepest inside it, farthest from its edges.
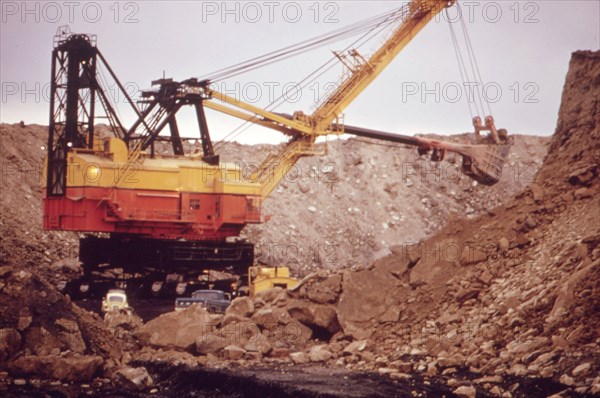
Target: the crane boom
(304, 130)
(413, 16)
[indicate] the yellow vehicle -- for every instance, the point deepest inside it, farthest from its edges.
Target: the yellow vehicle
(115, 299)
(264, 278)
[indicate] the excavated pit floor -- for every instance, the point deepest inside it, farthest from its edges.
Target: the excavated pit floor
(305, 381)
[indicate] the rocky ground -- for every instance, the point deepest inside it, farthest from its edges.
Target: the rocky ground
(503, 303)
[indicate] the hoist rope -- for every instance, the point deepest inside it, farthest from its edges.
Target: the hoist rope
(373, 26)
(474, 62)
(470, 73)
(301, 47)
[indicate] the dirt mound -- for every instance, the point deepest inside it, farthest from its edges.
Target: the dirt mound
(574, 154)
(44, 334)
(23, 243)
(346, 209)
(511, 293)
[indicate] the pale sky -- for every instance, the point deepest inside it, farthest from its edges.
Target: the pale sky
(522, 47)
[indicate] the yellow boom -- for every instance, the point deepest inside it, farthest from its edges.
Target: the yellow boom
(304, 129)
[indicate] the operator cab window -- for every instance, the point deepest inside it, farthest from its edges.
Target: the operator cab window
(194, 204)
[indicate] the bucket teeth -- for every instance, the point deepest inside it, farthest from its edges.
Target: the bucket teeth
(485, 163)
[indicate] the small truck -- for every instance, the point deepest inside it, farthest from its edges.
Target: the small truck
(214, 301)
(115, 299)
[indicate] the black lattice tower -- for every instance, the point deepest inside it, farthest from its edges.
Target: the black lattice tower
(72, 103)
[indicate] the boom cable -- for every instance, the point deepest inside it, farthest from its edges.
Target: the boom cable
(372, 28)
(476, 70)
(461, 66)
(470, 72)
(301, 47)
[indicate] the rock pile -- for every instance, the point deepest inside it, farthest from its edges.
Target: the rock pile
(44, 334)
(511, 295)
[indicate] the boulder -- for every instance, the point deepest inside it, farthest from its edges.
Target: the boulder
(486, 277)
(268, 295)
(274, 324)
(234, 352)
(566, 380)
(325, 316)
(240, 333)
(319, 353)
(566, 294)
(528, 346)
(431, 369)
(325, 292)
(232, 318)
(10, 343)
(583, 176)
(135, 379)
(79, 369)
(299, 357)
(466, 293)
(537, 192)
(210, 344)
(410, 252)
(583, 193)
(171, 357)
(439, 261)
(177, 329)
(466, 391)
(445, 360)
(503, 244)
(311, 315)
(264, 318)
(301, 311)
(280, 352)
(530, 222)
(581, 369)
(368, 295)
(70, 335)
(293, 334)
(260, 345)
(241, 306)
(41, 342)
(245, 334)
(356, 347)
(25, 319)
(472, 255)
